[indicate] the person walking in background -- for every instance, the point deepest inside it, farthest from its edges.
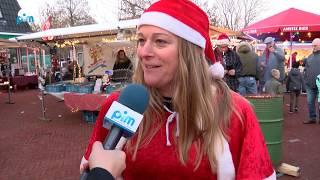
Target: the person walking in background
(230, 61)
(194, 127)
(273, 86)
(272, 58)
(312, 70)
(249, 74)
(294, 85)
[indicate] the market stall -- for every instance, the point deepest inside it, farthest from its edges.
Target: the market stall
(87, 54)
(289, 26)
(235, 36)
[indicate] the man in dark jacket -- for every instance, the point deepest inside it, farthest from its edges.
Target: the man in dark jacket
(312, 70)
(249, 74)
(294, 84)
(230, 61)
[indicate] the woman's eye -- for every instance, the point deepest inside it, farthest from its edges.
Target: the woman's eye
(161, 42)
(141, 41)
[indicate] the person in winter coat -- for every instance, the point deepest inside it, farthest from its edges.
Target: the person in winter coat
(312, 70)
(122, 68)
(294, 84)
(273, 86)
(249, 73)
(230, 61)
(272, 58)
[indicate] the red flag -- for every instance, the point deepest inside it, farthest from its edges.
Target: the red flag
(45, 26)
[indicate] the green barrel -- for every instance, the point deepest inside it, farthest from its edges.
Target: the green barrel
(269, 111)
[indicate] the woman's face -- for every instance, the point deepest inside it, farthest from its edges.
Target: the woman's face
(158, 54)
(121, 55)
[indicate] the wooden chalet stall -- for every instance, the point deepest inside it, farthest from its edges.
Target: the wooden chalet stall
(86, 53)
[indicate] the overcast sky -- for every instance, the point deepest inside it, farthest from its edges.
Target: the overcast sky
(106, 10)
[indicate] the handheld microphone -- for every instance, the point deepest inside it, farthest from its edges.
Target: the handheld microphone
(124, 115)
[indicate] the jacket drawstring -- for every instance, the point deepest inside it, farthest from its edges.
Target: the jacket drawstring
(169, 120)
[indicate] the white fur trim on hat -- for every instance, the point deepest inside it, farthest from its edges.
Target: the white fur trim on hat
(223, 42)
(217, 70)
(174, 26)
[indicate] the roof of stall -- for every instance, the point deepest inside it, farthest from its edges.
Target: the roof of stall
(215, 31)
(4, 43)
(290, 20)
(82, 31)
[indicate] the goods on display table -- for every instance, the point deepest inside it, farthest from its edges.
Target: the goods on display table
(82, 97)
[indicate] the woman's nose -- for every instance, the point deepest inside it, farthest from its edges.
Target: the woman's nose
(145, 50)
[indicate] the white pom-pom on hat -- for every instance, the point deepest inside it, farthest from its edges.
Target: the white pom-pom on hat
(217, 70)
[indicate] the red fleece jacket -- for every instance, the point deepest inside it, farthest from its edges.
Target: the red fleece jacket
(158, 161)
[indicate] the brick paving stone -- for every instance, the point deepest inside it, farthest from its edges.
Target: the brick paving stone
(31, 149)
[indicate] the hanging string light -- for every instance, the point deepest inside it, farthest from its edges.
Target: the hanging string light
(114, 39)
(309, 34)
(74, 71)
(67, 43)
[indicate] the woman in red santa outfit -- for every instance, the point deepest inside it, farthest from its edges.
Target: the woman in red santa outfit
(194, 126)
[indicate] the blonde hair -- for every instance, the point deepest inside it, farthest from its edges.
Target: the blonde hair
(203, 104)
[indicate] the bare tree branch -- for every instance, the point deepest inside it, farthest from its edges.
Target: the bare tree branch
(236, 14)
(130, 9)
(211, 11)
(67, 13)
(233, 14)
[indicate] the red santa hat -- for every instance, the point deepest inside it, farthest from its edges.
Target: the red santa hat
(182, 18)
(223, 39)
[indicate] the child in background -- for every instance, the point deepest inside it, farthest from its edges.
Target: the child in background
(294, 85)
(273, 86)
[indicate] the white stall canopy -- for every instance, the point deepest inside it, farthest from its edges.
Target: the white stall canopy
(79, 31)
